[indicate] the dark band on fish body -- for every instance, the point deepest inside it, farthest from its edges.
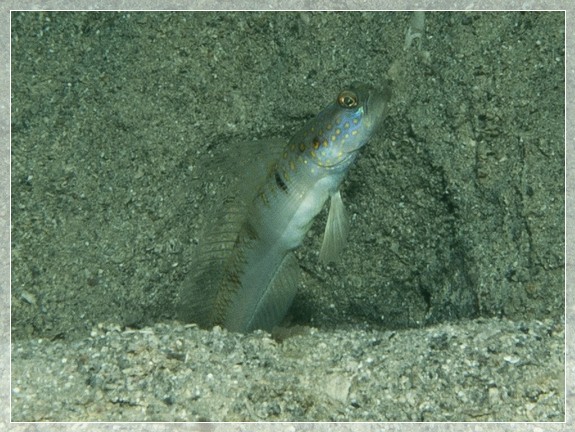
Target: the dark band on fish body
(280, 182)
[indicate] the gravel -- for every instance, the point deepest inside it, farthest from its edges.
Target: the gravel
(482, 370)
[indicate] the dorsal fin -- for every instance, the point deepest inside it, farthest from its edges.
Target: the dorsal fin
(238, 172)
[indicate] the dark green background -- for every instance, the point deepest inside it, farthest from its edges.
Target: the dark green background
(457, 205)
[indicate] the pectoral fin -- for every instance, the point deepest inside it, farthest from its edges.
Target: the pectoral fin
(335, 234)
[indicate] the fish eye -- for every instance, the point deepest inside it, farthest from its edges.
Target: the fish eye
(347, 99)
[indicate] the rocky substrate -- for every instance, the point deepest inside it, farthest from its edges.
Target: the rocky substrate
(483, 370)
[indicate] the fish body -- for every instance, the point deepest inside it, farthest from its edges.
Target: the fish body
(249, 274)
